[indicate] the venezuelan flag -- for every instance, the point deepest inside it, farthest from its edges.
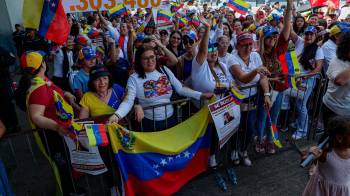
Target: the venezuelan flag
(290, 66)
(65, 114)
(31, 13)
(237, 97)
(160, 163)
(164, 16)
(118, 10)
(274, 132)
(182, 22)
(239, 6)
(53, 21)
(178, 6)
(97, 134)
(93, 33)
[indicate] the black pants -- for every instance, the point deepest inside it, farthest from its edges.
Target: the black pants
(7, 108)
(56, 149)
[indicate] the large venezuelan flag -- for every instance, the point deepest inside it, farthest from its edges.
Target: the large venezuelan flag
(239, 6)
(53, 23)
(160, 163)
(290, 66)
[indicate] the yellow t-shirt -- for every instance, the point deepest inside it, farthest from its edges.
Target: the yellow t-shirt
(95, 106)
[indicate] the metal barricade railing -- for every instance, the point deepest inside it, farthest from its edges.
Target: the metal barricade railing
(19, 151)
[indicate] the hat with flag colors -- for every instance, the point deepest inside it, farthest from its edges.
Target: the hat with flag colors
(31, 60)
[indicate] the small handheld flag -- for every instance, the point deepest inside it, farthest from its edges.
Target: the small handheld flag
(182, 22)
(164, 16)
(290, 66)
(97, 134)
(237, 97)
(274, 132)
(239, 6)
(118, 10)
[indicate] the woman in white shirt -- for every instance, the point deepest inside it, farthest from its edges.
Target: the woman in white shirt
(153, 85)
(248, 70)
(336, 101)
(210, 75)
(311, 58)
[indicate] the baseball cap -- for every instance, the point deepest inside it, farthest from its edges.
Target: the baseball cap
(98, 71)
(31, 60)
(268, 31)
(310, 29)
(341, 27)
(273, 16)
(245, 37)
(191, 35)
(88, 53)
(140, 36)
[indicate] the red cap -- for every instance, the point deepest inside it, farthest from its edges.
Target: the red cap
(245, 37)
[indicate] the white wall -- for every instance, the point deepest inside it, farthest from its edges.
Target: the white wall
(14, 8)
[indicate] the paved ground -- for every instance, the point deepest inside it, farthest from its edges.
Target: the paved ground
(279, 174)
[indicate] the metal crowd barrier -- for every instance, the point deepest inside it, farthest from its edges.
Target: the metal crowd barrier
(30, 174)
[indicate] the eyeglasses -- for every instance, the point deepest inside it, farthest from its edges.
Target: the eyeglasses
(188, 41)
(152, 57)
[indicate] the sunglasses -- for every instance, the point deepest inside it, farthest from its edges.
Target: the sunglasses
(212, 49)
(163, 33)
(188, 41)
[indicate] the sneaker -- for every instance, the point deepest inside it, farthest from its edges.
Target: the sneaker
(259, 147)
(235, 157)
(270, 148)
(220, 181)
(246, 160)
(297, 135)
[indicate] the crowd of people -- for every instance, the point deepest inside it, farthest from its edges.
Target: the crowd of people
(113, 64)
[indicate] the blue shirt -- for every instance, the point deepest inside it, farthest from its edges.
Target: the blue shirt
(80, 81)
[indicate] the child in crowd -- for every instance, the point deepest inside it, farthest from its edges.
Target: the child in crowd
(332, 175)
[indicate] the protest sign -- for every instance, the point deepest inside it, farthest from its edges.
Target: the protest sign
(226, 116)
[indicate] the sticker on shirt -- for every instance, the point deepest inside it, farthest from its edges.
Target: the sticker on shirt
(157, 88)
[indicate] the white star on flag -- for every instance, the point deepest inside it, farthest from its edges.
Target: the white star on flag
(187, 154)
(163, 162)
(170, 158)
(157, 173)
(155, 166)
(53, 4)
(178, 156)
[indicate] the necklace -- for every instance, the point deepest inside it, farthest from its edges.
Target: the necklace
(103, 95)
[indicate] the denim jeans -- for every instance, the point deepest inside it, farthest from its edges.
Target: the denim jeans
(301, 107)
(150, 125)
(263, 128)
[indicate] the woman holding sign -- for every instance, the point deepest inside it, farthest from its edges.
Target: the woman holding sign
(249, 72)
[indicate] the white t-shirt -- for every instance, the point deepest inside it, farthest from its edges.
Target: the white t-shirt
(203, 79)
(337, 98)
(329, 50)
(254, 62)
(299, 48)
(152, 90)
(58, 63)
(227, 60)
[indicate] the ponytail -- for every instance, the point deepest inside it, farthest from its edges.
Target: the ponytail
(23, 86)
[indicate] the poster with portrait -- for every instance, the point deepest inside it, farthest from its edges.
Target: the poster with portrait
(85, 158)
(226, 115)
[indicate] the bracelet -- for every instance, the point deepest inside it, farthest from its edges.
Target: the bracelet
(267, 94)
(117, 115)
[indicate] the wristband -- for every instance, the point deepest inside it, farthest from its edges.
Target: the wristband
(117, 115)
(267, 94)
